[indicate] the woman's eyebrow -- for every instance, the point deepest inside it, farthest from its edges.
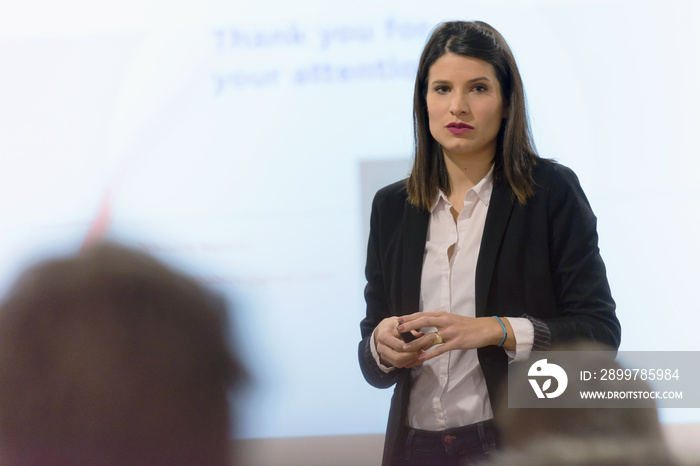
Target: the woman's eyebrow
(480, 78)
(446, 81)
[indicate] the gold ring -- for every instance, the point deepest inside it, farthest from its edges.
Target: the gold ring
(438, 338)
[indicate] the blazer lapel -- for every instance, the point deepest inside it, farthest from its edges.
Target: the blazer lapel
(500, 209)
(415, 231)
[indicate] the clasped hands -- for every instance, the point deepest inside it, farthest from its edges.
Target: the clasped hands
(457, 332)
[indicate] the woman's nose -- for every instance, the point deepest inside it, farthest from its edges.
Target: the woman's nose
(459, 105)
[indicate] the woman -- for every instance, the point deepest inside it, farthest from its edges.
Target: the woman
(489, 249)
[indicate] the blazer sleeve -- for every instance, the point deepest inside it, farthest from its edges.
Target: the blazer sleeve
(585, 307)
(377, 302)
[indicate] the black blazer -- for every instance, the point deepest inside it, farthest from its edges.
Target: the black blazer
(540, 259)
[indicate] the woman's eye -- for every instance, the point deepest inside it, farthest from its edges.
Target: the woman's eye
(442, 89)
(480, 88)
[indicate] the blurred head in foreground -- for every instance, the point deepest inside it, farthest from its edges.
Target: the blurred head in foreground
(108, 358)
(521, 428)
(568, 451)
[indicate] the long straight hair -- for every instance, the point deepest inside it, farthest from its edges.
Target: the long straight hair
(515, 150)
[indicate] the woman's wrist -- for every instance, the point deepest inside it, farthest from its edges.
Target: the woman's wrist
(504, 332)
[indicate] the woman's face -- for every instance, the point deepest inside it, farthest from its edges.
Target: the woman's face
(465, 107)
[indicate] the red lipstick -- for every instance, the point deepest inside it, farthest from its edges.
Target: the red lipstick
(458, 128)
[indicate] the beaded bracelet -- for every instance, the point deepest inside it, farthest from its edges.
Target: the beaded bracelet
(505, 334)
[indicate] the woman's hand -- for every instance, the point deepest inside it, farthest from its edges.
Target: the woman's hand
(390, 345)
(456, 332)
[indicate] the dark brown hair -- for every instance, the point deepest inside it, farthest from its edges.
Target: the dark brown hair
(515, 150)
(110, 357)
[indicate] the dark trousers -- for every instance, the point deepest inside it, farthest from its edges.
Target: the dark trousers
(459, 446)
